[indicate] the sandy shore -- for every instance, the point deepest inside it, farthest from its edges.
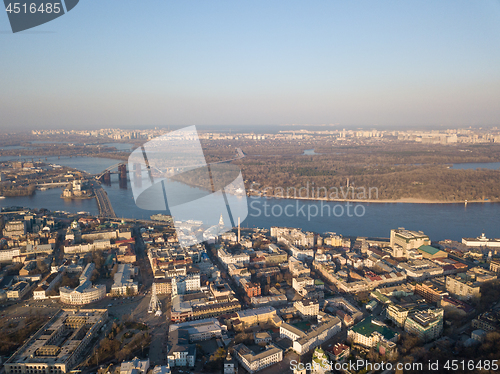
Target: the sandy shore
(408, 200)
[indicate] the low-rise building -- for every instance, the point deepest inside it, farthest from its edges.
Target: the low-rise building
(197, 330)
(262, 337)
(47, 285)
(303, 341)
(318, 335)
(421, 269)
(254, 362)
(338, 352)
(123, 283)
(163, 286)
(18, 290)
(181, 353)
(370, 331)
(431, 253)
(59, 345)
(250, 317)
(488, 321)
(135, 366)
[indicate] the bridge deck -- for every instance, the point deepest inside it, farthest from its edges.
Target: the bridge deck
(105, 207)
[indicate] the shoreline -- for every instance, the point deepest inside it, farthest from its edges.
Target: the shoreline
(407, 200)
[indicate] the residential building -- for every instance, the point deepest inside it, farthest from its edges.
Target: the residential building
(338, 352)
(181, 353)
(228, 258)
(163, 286)
(251, 289)
(7, 255)
(463, 286)
(307, 307)
(426, 324)
(432, 291)
(185, 284)
(488, 321)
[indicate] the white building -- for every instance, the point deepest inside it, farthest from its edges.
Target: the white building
(481, 241)
(123, 283)
(369, 332)
(85, 293)
(185, 284)
(307, 307)
(402, 241)
(228, 258)
(254, 362)
(303, 342)
(135, 366)
(8, 254)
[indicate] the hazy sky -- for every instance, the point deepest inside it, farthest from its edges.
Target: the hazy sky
(112, 63)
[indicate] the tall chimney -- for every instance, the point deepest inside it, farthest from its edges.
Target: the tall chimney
(239, 230)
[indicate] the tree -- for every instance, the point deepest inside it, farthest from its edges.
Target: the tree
(115, 269)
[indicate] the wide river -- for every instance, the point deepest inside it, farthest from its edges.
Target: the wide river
(439, 221)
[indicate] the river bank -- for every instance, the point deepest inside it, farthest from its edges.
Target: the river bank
(406, 200)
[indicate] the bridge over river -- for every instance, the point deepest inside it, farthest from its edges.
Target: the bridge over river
(105, 207)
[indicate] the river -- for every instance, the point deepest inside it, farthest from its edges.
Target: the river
(439, 221)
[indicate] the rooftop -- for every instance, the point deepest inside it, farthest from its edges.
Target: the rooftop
(369, 325)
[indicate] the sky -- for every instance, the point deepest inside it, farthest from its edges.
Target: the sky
(115, 63)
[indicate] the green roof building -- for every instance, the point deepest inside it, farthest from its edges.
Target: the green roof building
(370, 331)
(431, 252)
